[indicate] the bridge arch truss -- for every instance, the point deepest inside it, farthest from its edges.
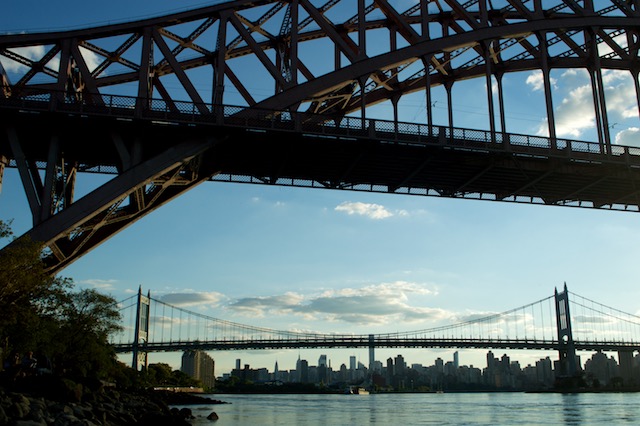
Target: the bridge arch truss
(330, 59)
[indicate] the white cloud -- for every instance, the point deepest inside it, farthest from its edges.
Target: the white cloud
(620, 94)
(575, 113)
(385, 303)
(211, 298)
(99, 284)
(92, 59)
(628, 137)
(536, 81)
(35, 53)
(372, 211)
(259, 306)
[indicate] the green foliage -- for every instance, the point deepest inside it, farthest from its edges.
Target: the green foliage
(24, 284)
(161, 374)
(41, 313)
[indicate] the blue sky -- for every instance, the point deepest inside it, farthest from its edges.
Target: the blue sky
(359, 262)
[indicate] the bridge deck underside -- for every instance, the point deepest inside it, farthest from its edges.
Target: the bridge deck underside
(453, 168)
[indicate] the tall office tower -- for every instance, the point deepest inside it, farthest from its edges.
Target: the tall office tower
(400, 365)
(304, 371)
(390, 372)
(238, 364)
(456, 360)
(323, 370)
(352, 362)
(322, 361)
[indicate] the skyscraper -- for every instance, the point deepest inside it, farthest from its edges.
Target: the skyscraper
(322, 361)
(323, 371)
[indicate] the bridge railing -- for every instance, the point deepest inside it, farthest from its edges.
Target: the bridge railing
(159, 110)
(399, 342)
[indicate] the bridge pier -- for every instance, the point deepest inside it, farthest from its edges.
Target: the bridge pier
(566, 347)
(142, 330)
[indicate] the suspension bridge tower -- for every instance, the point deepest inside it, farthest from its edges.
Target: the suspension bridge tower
(142, 330)
(566, 348)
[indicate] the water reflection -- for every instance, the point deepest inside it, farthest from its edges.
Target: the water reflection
(571, 408)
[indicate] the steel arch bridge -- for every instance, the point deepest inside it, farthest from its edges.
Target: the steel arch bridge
(146, 102)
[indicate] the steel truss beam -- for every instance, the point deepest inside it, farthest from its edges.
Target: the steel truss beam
(318, 56)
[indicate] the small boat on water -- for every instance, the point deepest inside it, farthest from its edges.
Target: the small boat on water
(356, 390)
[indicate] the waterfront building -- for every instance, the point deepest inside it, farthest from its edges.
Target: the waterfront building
(200, 366)
(626, 366)
(390, 372)
(601, 368)
(544, 372)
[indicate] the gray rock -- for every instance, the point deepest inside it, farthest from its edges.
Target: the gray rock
(30, 423)
(4, 419)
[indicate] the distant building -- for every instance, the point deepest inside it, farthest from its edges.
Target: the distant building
(601, 368)
(544, 372)
(323, 370)
(304, 371)
(200, 366)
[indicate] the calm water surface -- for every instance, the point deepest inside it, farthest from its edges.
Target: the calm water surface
(424, 409)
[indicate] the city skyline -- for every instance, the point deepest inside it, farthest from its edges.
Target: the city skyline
(339, 261)
(501, 371)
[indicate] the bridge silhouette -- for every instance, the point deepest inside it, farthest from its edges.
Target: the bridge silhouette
(150, 103)
(151, 325)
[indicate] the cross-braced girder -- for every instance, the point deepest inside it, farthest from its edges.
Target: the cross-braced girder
(334, 58)
(428, 44)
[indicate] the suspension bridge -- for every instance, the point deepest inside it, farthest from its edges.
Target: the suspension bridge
(150, 102)
(554, 323)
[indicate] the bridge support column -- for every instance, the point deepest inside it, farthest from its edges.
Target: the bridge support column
(566, 348)
(372, 354)
(142, 330)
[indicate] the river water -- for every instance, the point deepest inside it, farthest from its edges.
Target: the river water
(424, 409)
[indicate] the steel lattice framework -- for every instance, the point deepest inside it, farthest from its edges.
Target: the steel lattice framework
(145, 101)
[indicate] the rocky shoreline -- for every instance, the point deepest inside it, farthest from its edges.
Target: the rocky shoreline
(74, 405)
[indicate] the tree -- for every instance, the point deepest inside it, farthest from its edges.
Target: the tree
(39, 312)
(86, 320)
(26, 289)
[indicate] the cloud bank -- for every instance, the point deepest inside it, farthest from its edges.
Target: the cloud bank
(375, 304)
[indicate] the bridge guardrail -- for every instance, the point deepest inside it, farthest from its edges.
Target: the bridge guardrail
(129, 107)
